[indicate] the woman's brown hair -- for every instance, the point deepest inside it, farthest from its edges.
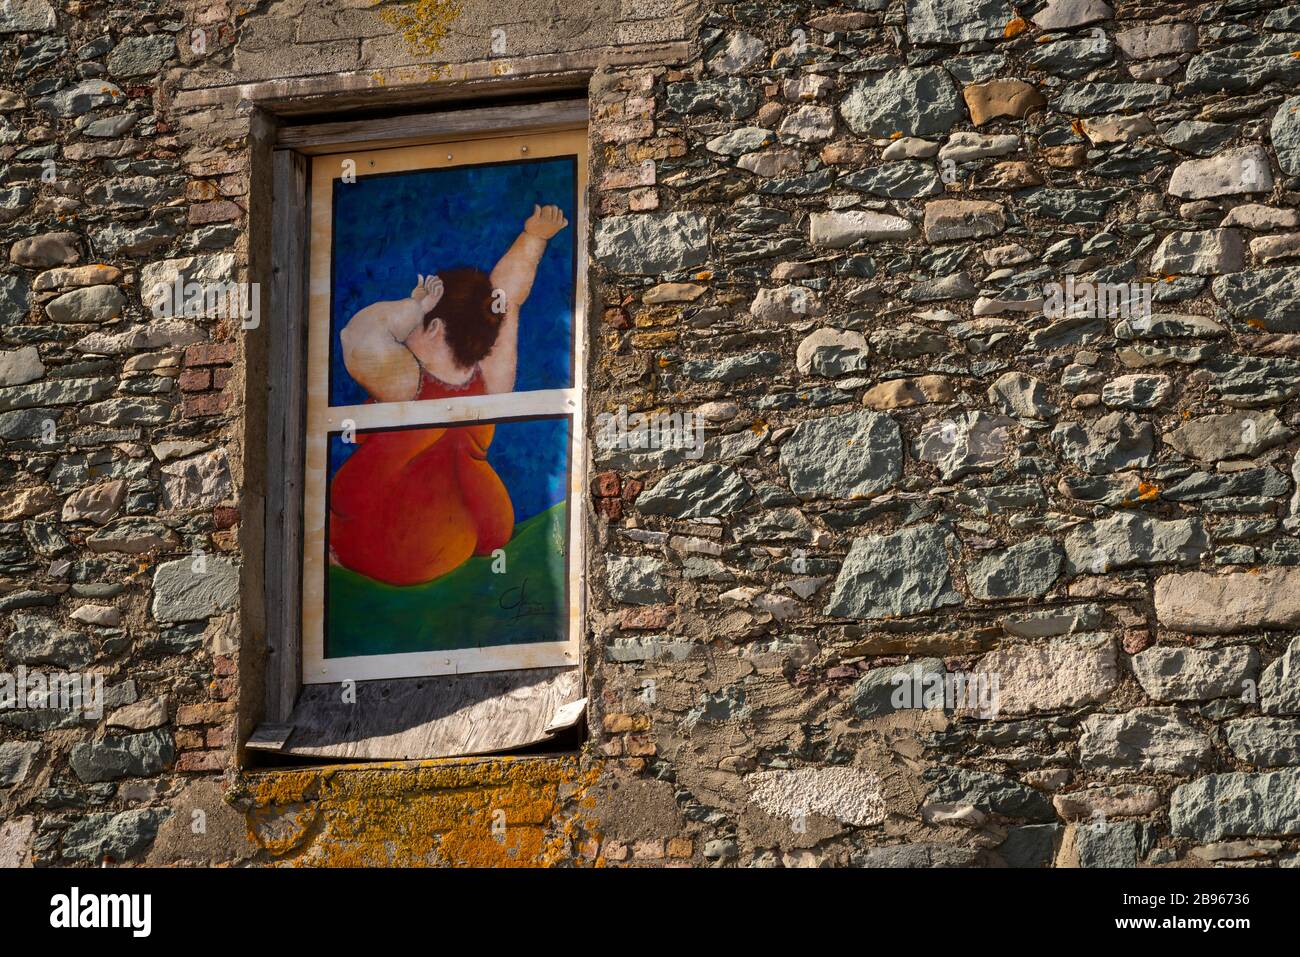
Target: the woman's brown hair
(465, 309)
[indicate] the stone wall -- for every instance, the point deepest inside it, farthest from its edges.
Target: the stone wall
(855, 238)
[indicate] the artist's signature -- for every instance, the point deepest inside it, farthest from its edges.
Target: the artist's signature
(515, 600)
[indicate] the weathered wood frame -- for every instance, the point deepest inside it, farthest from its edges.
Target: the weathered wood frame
(285, 440)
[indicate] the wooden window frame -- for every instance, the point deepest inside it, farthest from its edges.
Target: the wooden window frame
(397, 718)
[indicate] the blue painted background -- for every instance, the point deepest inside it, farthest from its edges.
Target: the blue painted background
(389, 229)
(532, 458)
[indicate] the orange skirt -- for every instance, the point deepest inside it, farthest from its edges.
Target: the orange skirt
(411, 505)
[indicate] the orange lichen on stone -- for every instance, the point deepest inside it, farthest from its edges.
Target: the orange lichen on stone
(500, 812)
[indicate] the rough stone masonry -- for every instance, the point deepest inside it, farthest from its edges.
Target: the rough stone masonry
(992, 310)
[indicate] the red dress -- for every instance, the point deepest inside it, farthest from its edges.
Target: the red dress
(410, 505)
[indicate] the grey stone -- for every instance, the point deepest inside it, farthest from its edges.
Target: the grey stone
(1237, 805)
(87, 305)
(199, 482)
(957, 21)
(130, 411)
(652, 243)
(27, 16)
(1206, 252)
(1113, 843)
(1229, 435)
(1169, 673)
(1279, 686)
(14, 201)
(840, 229)
(1265, 742)
(913, 101)
(1073, 205)
(1092, 99)
(907, 179)
(1031, 845)
(81, 98)
(40, 641)
(1069, 57)
(731, 96)
(1138, 391)
(1067, 14)
(1198, 137)
(1148, 40)
(831, 352)
(1024, 570)
(14, 298)
(1108, 444)
(112, 837)
(133, 755)
(635, 581)
(1159, 740)
(141, 56)
(1285, 135)
(1232, 172)
(740, 52)
(1021, 396)
(1268, 298)
(20, 366)
(701, 492)
(732, 368)
(992, 793)
(967, 443)
(16, 761)
(194, 588)
(885, 690)
(917, 855)
(744, 140)
(844, 456)
(1132, 540)
(892, 575)
(54, 392)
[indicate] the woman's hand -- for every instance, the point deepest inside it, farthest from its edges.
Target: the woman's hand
(427, 291)
(545, 222)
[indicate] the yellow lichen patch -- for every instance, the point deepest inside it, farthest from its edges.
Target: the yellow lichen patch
(499, 812)
(1015, 27)
(1257, 324)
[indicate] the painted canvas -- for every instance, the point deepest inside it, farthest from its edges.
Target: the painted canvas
(453, 282)
(445, 538)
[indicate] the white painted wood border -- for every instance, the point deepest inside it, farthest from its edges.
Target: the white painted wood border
(497, 147)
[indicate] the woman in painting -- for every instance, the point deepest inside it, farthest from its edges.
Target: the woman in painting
(411, 505)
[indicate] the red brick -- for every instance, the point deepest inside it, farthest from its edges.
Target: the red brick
(220, 211)
(610, 509)
(225, 517)
(221, 377)
(208, 713)
(647, 618)
(210, 354)
(204, 403)
(201, 761)
(195, 380)
(607, 483)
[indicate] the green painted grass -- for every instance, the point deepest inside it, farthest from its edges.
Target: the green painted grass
(471, 607)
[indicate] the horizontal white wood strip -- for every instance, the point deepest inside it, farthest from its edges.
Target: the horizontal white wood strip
(442, 411)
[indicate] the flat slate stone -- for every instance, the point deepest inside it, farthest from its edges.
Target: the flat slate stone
(652, 243)
(1025, 570)
(1161, 740)
(913, 101)
(183, 592)
(1237, 805)
(1268, 298)
(704, 491)
(843, 456)
(892, 575)
(1169, 673)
